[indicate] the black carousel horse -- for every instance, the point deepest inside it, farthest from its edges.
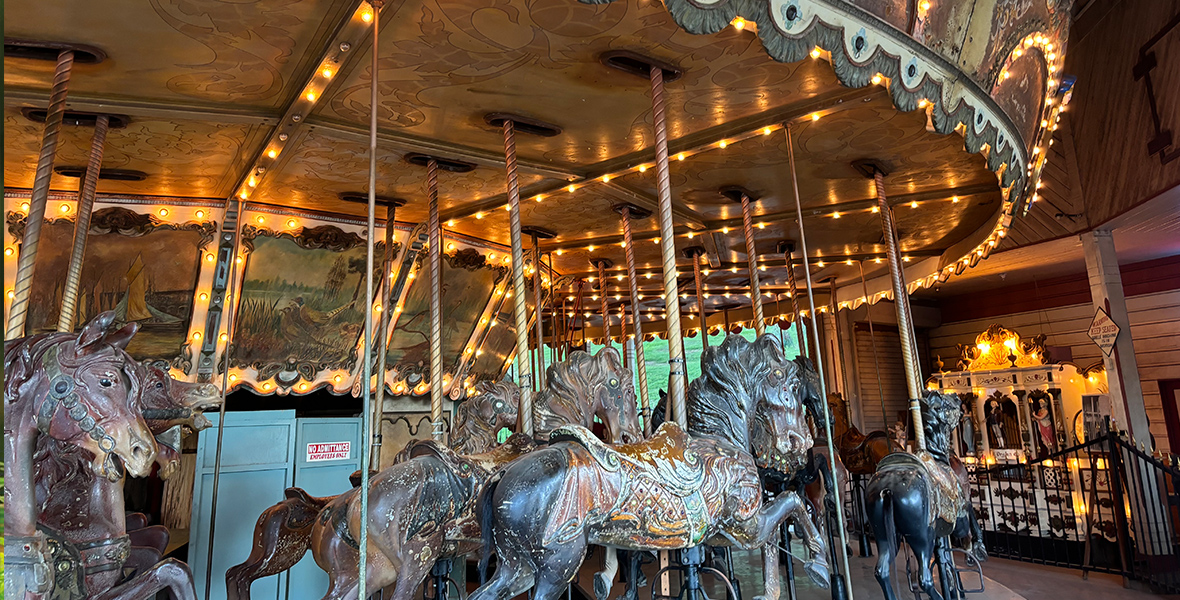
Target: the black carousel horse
(922, 499)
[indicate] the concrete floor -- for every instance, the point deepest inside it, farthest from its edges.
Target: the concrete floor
(1039, 581)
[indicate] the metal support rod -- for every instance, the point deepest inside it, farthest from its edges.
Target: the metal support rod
(676, 368)
(818, 362)
(523, 367)
(387, 301)
(539, 310)
(436, 375)
(636, 322)
(696, 276)
(367, 345)
(605, 305)
(837, 344)
(553, 318)
(794, 294)
(227, 257)
(18, 311)
(752, 259)
(901, 301)
(69, 297)
(864, 286)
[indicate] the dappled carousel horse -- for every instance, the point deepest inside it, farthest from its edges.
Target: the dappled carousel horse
(85, 514)
(283, 532)
(78, 388)
(922, 499)
(420, 509)
(674, 490)
(860, 453)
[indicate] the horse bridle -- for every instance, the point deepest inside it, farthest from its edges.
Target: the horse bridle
(62, 393)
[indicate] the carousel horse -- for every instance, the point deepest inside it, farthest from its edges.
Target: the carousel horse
(860, 453)
(420, 509)
(675, 490)
(95, 541)
(283, 532)
(78, 388)
(922, 499)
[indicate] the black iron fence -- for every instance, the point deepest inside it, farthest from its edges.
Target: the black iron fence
(1104, 505)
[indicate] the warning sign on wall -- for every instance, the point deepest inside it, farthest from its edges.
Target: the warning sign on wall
(1104, 331)
(329, 451)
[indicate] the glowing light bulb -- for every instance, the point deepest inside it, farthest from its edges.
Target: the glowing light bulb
(65, 208)
(272, 154)
(877, 79)
(722, 144)
(814, 116)
(679, 156)
(327, 73)
(815, 52)
(200, 214)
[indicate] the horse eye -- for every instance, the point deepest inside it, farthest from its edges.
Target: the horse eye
(778, 373)
(159, 385)
(105, 382)
(614, 382)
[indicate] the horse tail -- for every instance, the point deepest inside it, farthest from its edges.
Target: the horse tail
(890, 532)
(486, 509)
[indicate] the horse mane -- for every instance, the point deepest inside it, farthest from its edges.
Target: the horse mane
(59, 464)
(569, 396)
(22, 360)
(940, 415)
(472, 432)
(722, 401)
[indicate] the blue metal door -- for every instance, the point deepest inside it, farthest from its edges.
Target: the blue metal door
(322, 467)
(257, 464)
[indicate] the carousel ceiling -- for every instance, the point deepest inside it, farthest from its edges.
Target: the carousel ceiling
(269, 100)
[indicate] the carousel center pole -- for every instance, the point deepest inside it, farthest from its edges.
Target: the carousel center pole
(901, 301)
(837, 579)
(864, 286)
(695, 253)
(676, 374)
(26, 262)
(602, 264)
(367, 344)
(743, 196)
(788, 250)
(523, 367)
(627, 211)
(69, 297)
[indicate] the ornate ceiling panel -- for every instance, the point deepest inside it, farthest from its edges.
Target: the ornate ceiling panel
(180, 157)
(245, 53)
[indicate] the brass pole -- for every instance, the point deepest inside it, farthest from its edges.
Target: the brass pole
(520, 312)
(696, 254)
(676, 373)
(387, 302)
(26, 262)
(752, 260)
(553, 318)
(436, 375)
(794, 294)
(601, 264)
(873, 341)
(69, 298)
(636, 321)
(818, 362)
(539, 311)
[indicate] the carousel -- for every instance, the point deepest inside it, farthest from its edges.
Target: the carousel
(398, 298)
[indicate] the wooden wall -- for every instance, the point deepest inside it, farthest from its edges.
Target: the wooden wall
(1155, 330)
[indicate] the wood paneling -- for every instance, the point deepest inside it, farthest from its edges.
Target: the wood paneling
(889, 367)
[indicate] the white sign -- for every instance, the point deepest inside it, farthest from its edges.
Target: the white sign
(329, 451)
(1104, 331)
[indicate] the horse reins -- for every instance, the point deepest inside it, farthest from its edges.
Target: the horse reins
(63, 393)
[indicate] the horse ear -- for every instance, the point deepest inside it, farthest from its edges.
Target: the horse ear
(94, 332)
(122, 337)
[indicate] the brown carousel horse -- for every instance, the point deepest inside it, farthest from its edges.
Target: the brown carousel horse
(674, 490)
(95, 540)
(77, 388)
(923, 499)
(283, 532)
(860, 453)
(420, 509)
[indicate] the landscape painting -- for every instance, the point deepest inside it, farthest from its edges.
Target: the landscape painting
(467, 286)
(143, 269)
(302, 303)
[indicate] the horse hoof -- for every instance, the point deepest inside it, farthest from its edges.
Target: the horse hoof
(818, 572)
(980, 552)
(640, 580)
(601, 586)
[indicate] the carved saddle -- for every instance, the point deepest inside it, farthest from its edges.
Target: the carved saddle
(947, 503)
(853, 448)
(665, 458)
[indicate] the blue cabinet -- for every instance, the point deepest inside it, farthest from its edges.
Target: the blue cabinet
(264, 453)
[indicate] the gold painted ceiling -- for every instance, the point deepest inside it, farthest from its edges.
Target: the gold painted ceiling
(204, 85)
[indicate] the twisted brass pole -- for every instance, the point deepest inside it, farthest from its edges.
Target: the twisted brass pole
(69, 298)
(864, 286)
(901, 301)
(676, 368)
(752, 260)
(818, 362)
(795, 302)
(636, 322)
(523, 364)
(18, 311)
(387, 301)
(604, 304)
(696, 275)
(436, 375)
(539, 311)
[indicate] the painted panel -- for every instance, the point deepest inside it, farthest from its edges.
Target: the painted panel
(140, 266)
(468, 281)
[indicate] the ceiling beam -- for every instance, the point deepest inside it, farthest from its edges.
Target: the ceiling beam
(770, 261)
(160, 109)
(626, 193)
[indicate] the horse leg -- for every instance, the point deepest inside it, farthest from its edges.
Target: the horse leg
(924, 548)
(513, 577)
(557, 567)
(880, 515)
(604, 579)
(171, 575)
(278, 545)
(633, 576)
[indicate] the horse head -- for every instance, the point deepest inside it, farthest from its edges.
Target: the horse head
(477, 421)
(838, 410)
(586, 386)
(940, 415)
(169, 406)
(749, 394)
(85, 390)
(810, 390)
